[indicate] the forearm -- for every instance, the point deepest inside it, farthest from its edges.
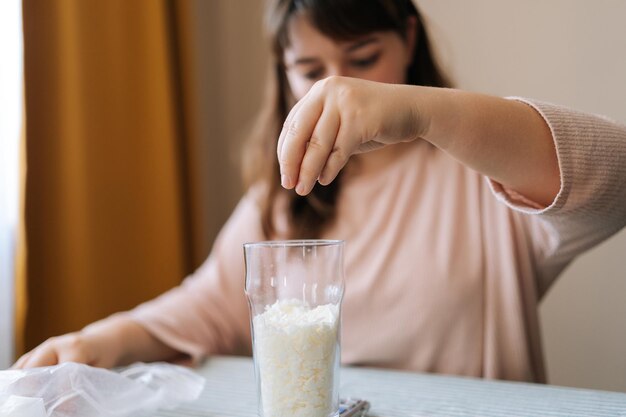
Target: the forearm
(128, 341)
(505, 140)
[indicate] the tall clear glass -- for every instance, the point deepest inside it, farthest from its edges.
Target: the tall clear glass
(294, 290)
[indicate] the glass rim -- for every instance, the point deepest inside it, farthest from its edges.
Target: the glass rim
(292, 243)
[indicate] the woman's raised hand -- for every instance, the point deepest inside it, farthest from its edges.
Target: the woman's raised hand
(337, 118)
(505, 140)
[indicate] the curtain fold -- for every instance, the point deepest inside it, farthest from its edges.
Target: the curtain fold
(107, 197)
(20, 303)
(134, 113)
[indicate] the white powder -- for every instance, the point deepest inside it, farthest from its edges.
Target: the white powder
(296, 353)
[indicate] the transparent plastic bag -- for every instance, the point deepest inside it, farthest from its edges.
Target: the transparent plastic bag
(72, 389)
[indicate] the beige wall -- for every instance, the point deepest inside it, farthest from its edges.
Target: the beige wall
(564, 51)
(571, 52)
(228, 58)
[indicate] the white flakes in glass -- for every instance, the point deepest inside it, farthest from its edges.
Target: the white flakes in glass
(296, 354)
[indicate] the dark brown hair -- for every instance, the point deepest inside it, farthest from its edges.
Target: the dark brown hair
(340, 20)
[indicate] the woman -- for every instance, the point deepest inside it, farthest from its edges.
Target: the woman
(444, 269)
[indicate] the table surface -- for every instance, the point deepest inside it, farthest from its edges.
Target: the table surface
(231, 391)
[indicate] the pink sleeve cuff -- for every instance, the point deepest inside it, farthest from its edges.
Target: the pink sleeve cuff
(191, 353)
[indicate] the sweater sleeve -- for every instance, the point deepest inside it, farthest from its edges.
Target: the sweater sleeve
(208, 313)
(591, 203)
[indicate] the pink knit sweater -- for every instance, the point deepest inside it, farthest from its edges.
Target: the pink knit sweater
(444, 269)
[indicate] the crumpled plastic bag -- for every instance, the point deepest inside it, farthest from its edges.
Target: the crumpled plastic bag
(71, 389)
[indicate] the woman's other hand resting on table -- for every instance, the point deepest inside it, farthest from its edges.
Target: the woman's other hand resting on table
(115, 342)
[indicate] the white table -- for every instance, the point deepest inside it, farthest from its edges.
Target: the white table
(231, 392)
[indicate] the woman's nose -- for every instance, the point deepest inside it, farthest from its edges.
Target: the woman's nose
(338, 70)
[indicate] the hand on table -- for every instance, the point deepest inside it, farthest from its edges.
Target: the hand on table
(81, 347)
(115, 341)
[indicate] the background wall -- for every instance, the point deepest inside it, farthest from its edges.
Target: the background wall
(227, 60)
(571, 52)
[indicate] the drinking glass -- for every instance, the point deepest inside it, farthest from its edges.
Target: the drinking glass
(294, 290)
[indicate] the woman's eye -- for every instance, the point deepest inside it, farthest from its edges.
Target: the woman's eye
(313, 75)
(365, 62)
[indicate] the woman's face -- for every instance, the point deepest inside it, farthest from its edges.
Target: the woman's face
(311, 56)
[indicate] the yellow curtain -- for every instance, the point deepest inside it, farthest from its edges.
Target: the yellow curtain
(115, 204)
(20, 256)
